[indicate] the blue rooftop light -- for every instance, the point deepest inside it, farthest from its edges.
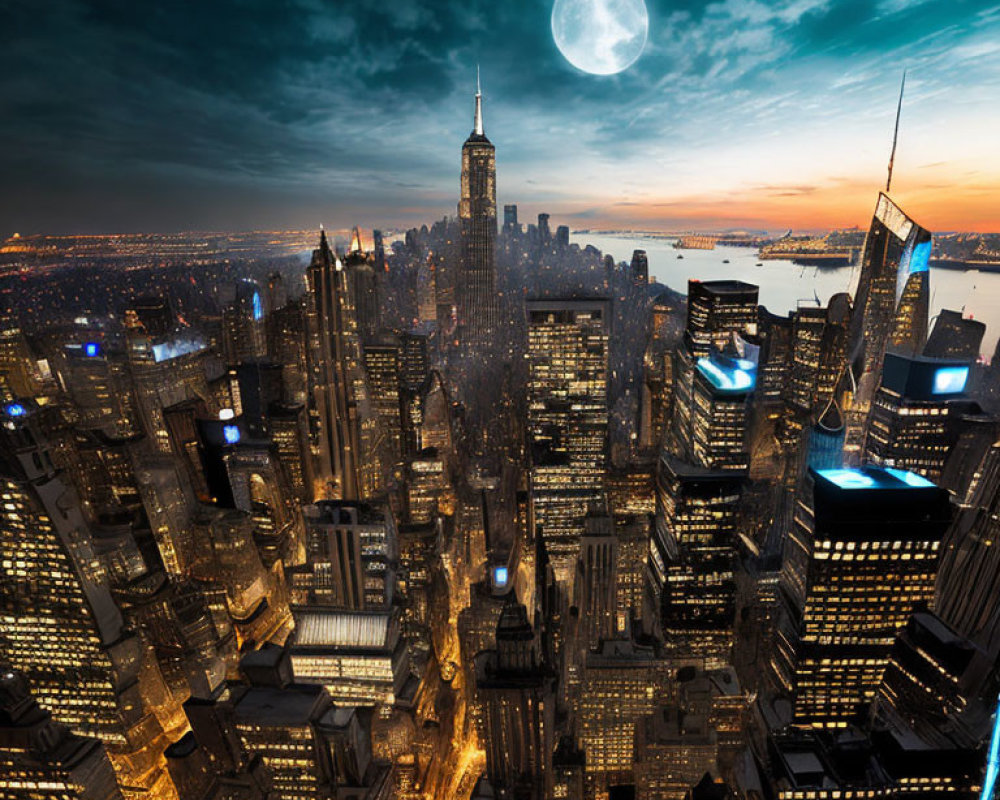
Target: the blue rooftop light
(15, 410)
(910, 478)
(848, 478)
(91, 349)
(725, 378)
(500, 576)
(950, 380)
(258, 306)
(231, 433)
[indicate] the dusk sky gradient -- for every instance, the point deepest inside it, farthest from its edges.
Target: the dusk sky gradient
(124, 116)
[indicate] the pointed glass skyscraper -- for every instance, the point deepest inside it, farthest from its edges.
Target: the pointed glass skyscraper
(479, 305)
(890, 307)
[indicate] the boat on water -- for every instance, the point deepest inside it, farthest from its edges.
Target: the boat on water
(680, 255)
(725, 261)
(760, 264)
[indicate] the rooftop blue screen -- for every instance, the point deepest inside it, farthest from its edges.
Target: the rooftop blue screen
(15, 410)
(950, 380)
(258, 306)
(91, 349)
(848, 478)
(231, 433)
(500, 576)
(875, 478)
(909, 478)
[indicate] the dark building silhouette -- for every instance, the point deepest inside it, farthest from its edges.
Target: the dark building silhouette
(955, 336)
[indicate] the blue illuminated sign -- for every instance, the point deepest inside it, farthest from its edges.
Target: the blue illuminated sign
(500, 576)
(174, 349)
(950, 380)
(848, 478)
(91, 349)
(910, 478)
(231, 433)
(258, 306)
(920, 259)
(15, 410)
(728, 379)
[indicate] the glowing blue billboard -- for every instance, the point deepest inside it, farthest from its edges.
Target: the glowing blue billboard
(728, 379)
(950, 380)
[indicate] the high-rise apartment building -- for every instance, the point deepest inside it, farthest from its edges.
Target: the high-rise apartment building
(917, 413)
(692, 556)
(567, 419)
(861, 557)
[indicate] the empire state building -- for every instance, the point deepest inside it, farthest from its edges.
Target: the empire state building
(479, 306)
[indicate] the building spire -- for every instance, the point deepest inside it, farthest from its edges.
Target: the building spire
(478, 128)
(895, 133)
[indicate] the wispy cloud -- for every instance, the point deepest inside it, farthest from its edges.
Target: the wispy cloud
(255, 113)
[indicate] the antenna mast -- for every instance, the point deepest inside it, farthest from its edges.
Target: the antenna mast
(895, 133)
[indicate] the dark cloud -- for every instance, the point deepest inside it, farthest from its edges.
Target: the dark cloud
(124, 115)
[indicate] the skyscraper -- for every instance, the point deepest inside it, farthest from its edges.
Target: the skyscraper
(890, 307)
(955, 336)
(479, 309)
(916, 417)
(40, 759)
(567, 419)
(716, 310)
(510, 223)
(363, 279)
(640, 268)
(692, 557)
(335, 359)
(861, 557)
(59, 624)
(516, 692)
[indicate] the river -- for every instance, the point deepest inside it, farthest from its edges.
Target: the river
(784, 285)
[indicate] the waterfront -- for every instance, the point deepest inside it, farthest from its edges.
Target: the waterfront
(784, 285)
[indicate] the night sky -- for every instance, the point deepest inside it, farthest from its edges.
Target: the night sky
(237, 115)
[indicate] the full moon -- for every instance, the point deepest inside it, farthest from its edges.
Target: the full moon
(600, 36)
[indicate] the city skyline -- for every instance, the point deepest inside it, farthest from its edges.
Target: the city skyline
(475, 506)
(736, 114)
